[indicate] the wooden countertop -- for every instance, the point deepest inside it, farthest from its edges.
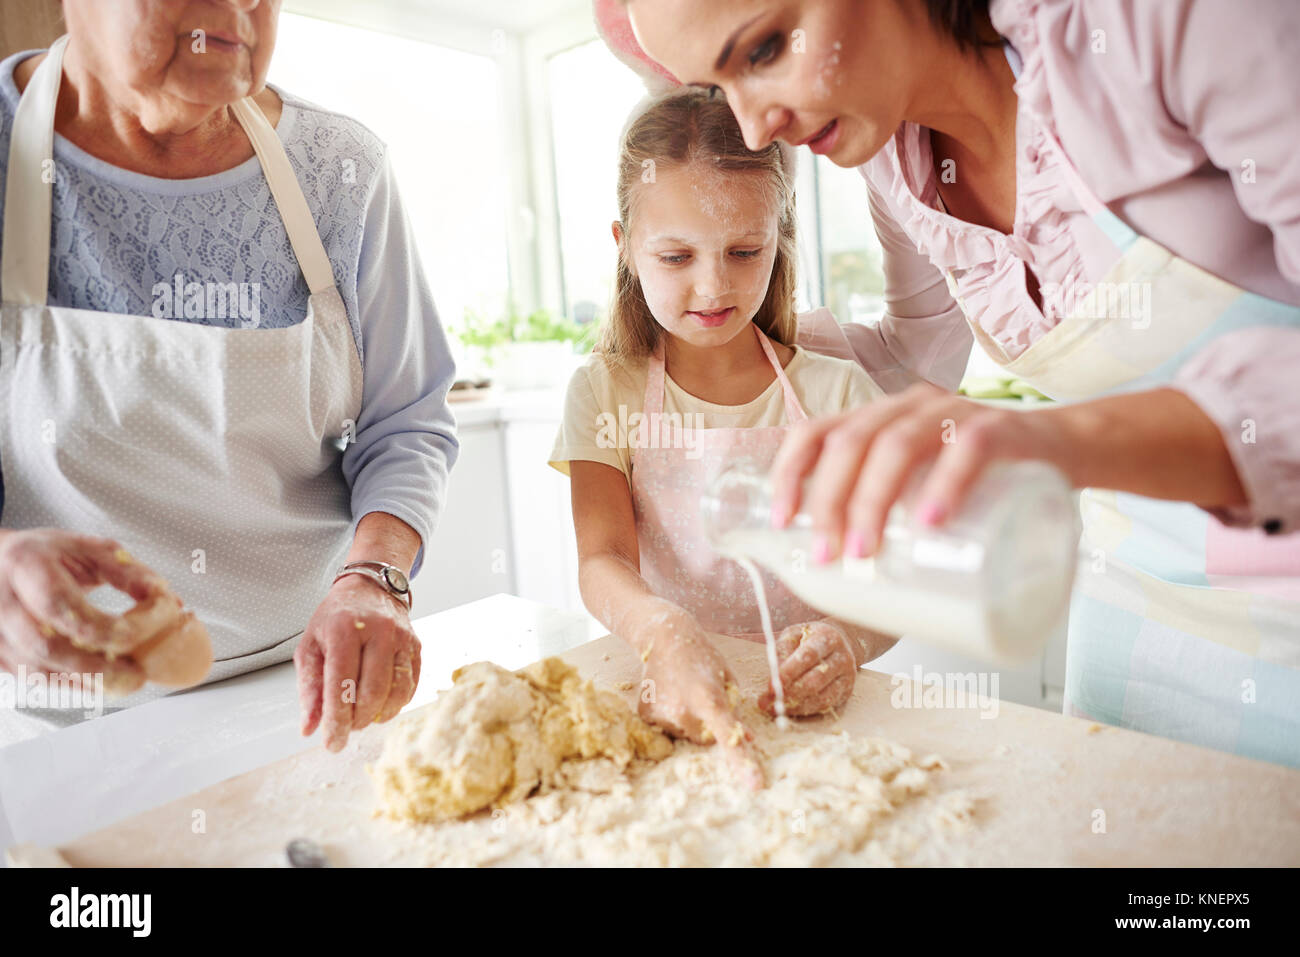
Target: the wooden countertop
(1043, 783)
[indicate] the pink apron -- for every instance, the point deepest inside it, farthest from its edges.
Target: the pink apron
(671, 467)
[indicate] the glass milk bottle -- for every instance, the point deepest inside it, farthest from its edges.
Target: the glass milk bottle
(992, 582)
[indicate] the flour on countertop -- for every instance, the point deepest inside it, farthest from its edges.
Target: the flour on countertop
(830, 799)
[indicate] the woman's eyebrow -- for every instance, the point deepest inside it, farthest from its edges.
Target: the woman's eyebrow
(731, 44)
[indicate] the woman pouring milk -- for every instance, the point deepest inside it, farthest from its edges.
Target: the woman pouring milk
(1016, 154)
(235, 458)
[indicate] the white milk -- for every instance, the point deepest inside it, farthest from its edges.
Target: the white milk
(1007, 630)
(765, 617)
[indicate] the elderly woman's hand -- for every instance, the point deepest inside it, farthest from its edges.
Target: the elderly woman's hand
(358, 661)
(45, 574)
(858, 462)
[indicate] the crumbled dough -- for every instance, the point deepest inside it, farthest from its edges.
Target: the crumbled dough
(498, 736)
(733, 695)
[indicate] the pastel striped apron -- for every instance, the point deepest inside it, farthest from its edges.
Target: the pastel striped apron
(1179, 626)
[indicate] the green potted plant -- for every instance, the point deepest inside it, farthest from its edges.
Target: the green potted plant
(533, 351)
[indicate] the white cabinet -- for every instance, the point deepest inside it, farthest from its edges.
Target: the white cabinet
(507, 524)
(470, 554)
(545, 551)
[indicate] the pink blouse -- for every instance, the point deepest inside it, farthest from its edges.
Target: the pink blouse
(1181, 115)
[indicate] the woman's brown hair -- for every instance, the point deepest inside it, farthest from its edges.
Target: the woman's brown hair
(679, 128)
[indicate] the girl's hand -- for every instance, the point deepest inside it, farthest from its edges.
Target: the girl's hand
(688, 690)
(46, 622)
(860, 461)
(818, 667)
(358, 662)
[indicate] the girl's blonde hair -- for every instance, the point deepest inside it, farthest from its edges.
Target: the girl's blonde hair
(681, 127)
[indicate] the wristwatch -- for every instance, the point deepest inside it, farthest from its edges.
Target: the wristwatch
(389, 577)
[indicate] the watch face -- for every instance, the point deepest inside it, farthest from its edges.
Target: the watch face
(396, 579)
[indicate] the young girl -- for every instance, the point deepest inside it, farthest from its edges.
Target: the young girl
(695, 368)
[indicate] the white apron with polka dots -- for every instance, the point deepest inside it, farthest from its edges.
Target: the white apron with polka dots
(670, 472)
(212, 454)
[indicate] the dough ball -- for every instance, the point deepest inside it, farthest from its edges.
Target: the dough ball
(167, 641)
(498, 736)
(145, 622)
(178, 657)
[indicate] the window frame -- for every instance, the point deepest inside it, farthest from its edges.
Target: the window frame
(534, 250)
(413, 21)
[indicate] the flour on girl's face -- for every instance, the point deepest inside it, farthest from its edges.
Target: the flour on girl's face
(703, 239)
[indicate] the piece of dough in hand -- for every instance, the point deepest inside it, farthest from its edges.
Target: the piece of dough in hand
(177, 657)
(147, 620)
(168, 642)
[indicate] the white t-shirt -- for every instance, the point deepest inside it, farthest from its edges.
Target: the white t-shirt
(823, 384)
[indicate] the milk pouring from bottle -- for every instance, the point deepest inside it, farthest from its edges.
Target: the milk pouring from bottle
(992, 582)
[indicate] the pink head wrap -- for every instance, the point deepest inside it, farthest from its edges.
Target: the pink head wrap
(616, 30)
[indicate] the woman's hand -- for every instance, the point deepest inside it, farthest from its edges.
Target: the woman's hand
(358, 662)
(688, 690)
(818, 666)
(858, 462)
(45, 574)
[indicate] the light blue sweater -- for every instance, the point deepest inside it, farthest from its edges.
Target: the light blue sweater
(118, 233)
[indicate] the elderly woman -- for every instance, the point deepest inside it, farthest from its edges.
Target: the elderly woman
(218, 352)
(1106, 196)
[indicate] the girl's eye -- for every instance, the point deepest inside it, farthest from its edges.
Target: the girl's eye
(766, 51)
(748, 253)
(673, 260)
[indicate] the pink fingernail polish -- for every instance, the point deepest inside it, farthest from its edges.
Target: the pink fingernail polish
(821, 550)
(931, 513)
(853, 544)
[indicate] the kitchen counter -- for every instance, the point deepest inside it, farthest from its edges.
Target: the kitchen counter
(79, 779)
(1018, 786)
(509, 405)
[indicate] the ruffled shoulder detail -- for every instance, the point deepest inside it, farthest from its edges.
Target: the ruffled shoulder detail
(987, 267)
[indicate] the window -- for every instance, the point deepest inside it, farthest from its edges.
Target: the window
(852, 277)
(591, 95)
(439, 111)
